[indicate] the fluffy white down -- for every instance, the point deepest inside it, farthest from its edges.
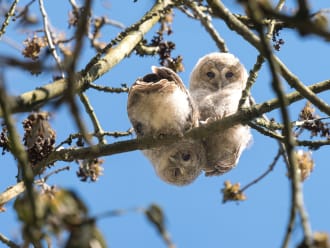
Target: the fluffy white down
(167, 111)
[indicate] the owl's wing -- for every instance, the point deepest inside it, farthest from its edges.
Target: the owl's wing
(225, 162)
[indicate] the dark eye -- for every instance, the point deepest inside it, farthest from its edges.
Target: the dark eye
(210, 74)
(185, 156)
(229, 74)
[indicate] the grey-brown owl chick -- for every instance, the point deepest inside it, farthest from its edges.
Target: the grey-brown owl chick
(180, 163)
(216, 85)
(159, 104)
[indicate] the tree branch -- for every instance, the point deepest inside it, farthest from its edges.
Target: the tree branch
(242, 116)
(232, 22)
(206, 22)
(98, 65)
(49, 37)
(8, 242)
(9, 14)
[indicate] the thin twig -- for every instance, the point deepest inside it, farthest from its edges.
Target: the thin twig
(98, 130)
(251, 80)
(270, 169)
(275, 135)
(45, 178)
(108, 88)
(9, 14)
(8, 242)
(17, 189)
(81, 31)
(115, 134)
(266, 132)
(271, 25)
(49, 37)
(206, 21)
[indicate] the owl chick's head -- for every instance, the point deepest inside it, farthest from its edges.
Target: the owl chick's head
(216, 71)
(182, 163)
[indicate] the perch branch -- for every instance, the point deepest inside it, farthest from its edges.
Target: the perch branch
(243, 115)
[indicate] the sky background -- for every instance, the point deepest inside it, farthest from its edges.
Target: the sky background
(195, 215)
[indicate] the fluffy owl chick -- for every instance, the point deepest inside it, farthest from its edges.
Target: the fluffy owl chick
(216, 85)
(159, 104)
(178, 164)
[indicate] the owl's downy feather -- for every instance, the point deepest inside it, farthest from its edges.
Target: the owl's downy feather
(216, 85)
(180, 163)
(158, 105)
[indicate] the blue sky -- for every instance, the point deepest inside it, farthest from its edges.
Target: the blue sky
(195, 215)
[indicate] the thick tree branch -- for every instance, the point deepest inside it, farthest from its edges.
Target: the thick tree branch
(98, 66)
(11, 192)
(241, 116)
(232, 22)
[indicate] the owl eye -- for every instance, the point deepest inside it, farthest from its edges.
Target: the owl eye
(210, 74)
(229, 74)
(185, 156)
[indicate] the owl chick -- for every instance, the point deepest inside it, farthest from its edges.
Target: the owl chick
(159, 104)
(216, 85)
(180, 163)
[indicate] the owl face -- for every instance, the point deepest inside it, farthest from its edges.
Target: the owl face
(180, 163)
(217, 72)
(216, 85)
(159, 104)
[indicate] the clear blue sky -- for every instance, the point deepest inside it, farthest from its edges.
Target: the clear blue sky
(195, 215)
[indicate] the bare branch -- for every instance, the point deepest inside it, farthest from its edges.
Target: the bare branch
(98, 130)
(241, 116)
(11, 192)
(206, 21)
(49, 37)
(9, 15)
(17, 149)
(98, 66)
(251, 80)
(270, 169)
(296, 191)
(8, 242)
(232, 22)
(109, 89)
